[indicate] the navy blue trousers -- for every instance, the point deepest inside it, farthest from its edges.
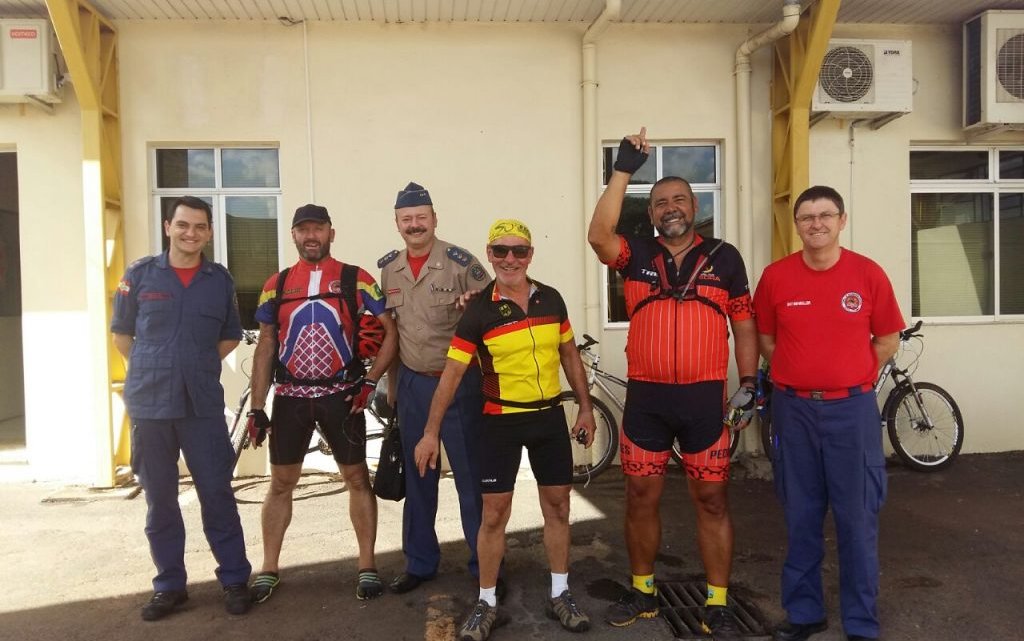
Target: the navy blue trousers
(460, 434)
(829, 454)
(204, 442)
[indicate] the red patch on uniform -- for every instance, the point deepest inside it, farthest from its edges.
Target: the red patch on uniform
(852, 302)
(395, 290)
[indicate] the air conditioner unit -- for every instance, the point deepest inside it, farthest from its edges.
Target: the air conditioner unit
(29, 68)
(865, 79)
(994, 70)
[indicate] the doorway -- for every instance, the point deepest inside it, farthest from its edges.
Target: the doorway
(12, 374)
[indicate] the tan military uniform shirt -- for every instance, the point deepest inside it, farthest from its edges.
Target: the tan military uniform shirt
(424, 307)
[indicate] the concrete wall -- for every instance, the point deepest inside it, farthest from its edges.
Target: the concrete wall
(488, 117)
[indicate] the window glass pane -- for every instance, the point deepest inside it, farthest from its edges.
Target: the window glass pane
(948, 165)
(165, 214)
(952, 254)
(252, 248)
(181, 168)
(705, 223)
(646, 175)
(1011, 253)
(249, 168)
(695, 164)
(1011, 164)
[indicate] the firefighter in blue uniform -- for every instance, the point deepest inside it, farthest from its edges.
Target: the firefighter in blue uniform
(175, 318)
(423, 284)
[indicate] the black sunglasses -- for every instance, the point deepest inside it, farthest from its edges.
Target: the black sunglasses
(519, 251)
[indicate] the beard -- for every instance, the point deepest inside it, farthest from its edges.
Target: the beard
(674, 227)
(314, 254)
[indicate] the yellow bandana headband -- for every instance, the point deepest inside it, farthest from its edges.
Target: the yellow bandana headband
(508, 227)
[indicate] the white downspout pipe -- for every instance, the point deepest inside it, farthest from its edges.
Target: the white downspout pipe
(592, 161)
(790, 19)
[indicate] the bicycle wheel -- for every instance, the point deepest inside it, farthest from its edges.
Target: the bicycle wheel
(926, 432)
(237, 431)
(588, 463)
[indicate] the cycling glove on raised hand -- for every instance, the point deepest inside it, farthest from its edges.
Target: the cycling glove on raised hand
(629, 158)
(257, 423)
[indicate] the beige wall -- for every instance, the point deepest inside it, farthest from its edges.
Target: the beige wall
(488, 117)
(53, 299)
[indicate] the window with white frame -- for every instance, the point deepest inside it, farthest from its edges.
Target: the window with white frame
(243, 187)
(967, 231)
(697, 162)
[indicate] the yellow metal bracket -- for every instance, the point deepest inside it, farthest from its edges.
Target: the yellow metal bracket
(88, 42)
(795, 65)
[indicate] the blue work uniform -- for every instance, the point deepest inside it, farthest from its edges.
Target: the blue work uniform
(425, 314)
(175, 402)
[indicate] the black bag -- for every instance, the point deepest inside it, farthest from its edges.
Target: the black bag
(389, 483)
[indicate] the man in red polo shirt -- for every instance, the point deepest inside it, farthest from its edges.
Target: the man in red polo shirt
(826, 319)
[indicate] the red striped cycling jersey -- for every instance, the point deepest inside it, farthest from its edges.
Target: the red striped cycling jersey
(673, 340)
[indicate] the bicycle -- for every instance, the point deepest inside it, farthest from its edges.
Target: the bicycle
(924, 423)
(587, 464)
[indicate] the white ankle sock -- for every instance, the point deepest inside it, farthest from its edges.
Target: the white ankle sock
(559, 584)
(487, 595)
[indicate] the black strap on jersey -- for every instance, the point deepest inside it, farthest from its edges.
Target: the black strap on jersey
(664, 290)
(530, 405)
(347, 293)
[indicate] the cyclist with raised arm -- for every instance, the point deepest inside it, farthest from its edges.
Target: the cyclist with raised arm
(826, 319)
(683, 293)
(309, 318)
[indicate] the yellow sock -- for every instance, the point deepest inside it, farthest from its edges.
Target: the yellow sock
(644, 583)
(716, 595)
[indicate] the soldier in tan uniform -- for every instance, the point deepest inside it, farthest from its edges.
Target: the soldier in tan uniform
(423, 284)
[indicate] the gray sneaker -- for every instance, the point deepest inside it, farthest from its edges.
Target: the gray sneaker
(563, 608)
(480, 622)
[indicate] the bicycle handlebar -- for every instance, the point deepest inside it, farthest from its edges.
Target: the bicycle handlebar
(588, 341)
(911, 332)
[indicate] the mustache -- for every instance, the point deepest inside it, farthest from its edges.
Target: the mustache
(415, 230)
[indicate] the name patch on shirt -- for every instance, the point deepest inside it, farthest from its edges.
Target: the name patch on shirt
(797, 303)
(155, 296)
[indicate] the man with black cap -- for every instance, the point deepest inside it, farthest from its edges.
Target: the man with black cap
(424, 283)
(308, 316)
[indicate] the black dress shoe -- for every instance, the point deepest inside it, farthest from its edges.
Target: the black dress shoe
(163, 603)
(406, 582)
(798, 631)
(857, 637)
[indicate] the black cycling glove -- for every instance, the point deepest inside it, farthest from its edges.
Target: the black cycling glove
(630, 159)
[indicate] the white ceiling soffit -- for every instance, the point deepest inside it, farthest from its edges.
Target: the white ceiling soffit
(510, 11)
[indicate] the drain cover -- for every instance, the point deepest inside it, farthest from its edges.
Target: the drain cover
(681, 603)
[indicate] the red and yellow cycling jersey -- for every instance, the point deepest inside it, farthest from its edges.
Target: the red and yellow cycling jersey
(517, 350)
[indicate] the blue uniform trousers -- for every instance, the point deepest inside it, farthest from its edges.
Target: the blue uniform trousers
(460, 434)
(204, 442)
(829, 454)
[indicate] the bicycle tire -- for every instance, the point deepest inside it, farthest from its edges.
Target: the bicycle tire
(920, 447)
(588, 463)
(238, 432)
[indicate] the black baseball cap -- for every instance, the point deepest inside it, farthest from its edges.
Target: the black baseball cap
(311, 212)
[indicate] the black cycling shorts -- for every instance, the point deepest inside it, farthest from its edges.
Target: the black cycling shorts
(544, 434)
(294, 420)
(658, 413)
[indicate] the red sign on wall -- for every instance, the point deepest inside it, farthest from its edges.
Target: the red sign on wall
(24, 34)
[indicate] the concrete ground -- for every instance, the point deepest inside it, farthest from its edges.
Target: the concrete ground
(76, 565)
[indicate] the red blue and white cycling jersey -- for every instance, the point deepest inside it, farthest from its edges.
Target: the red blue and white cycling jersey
(315, 335)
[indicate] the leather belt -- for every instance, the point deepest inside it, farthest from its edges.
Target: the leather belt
(432, 373)
(825, 395)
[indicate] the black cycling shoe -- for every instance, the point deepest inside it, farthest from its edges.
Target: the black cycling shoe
(406, 582)
(720, 622)
(798, 631)
(163, 603)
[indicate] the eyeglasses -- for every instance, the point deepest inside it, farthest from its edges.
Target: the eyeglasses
(825, 217)
(519, 251)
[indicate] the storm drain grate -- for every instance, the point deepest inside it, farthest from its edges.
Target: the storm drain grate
(681, 603)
